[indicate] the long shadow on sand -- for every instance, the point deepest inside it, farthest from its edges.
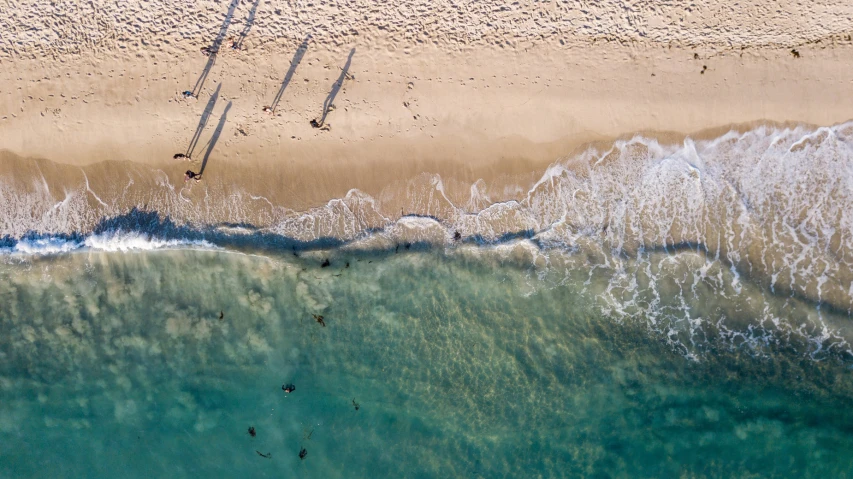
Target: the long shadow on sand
(297, 57)
(336, 87)
(213, 50)
(202, 122)
(213, 139)
(247, 27)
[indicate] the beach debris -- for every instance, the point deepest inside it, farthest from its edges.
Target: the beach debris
(252, 431)
(288, 388)
(303, 453)
(355, 404)
(325, 263)
(319, 319)
(265, 456)
(457, 236)
(795, 53)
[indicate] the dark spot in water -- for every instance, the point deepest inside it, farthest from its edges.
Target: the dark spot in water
(319, 319)
(252, 431)
(303, 453)
(325, 263)
(265, 456)
(355, 404)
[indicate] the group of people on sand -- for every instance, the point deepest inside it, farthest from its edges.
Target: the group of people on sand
(315, 123)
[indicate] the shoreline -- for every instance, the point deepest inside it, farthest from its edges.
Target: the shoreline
(449, 127)
(302, 184)
(531, 85)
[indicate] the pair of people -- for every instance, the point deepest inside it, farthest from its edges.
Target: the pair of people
(191, 175)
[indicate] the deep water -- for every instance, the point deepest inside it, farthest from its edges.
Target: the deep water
(462, 363)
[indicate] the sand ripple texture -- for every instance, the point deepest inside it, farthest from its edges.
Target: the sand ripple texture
(38, 29)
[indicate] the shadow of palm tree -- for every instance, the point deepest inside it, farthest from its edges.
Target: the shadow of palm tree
(336, 87)
(205, 117)
(297, 57)
(215, 137)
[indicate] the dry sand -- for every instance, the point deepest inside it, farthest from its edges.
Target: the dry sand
(467, 89)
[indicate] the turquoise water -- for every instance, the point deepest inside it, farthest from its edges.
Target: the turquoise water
(465, 362)
(644, 311)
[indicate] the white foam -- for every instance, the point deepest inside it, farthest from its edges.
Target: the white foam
(772, 205)
(127, 241)
(45, 246)
(113, 241)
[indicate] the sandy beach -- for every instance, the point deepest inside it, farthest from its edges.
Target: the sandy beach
(466, 90)
(431, 238)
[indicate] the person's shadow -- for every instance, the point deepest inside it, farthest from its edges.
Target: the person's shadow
(336, 87)
(216, 133)
(213, 49)
(205, 117)
(297, 57)
(238, 45)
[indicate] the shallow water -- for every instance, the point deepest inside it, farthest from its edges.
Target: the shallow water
(465, 362)
(645, 311)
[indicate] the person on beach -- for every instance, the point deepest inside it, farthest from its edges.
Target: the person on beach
(190, 175)
(187, 94)
(180, 156)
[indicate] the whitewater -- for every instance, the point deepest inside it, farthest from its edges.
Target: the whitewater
(642, 310)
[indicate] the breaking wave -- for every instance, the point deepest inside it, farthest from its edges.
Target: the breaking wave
(760, 221)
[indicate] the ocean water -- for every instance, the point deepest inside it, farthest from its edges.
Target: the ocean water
(644, 311)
